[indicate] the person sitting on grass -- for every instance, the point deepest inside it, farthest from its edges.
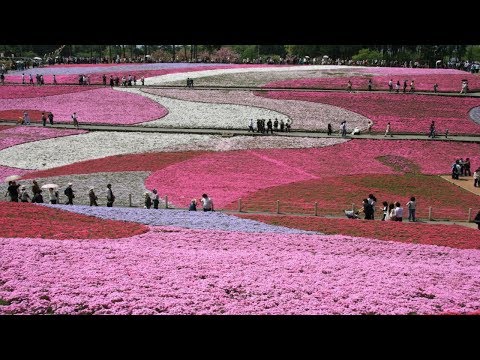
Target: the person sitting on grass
(351, 214)
(193, 205)
(207, 203)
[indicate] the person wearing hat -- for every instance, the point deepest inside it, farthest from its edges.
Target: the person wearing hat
(148, 200)
(69, 194)
(156, 199)
(93, 197)
(24, 197)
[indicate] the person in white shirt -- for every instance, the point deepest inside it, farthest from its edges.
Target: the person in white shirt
(207, 203)
(412, 204)
(398, 212)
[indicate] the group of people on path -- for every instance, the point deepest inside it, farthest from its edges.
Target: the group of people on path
(463, 168)
(53, 194)
(270, 125)
(391, 212)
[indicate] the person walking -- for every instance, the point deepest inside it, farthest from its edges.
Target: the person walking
(435, 88)
(343, 127)
(53, 196)
(50, 118)
(432, 129)
(155, 199)
(54, 80)
(411, 205)
(12, 191)
(397, 86)
(26, 118)
(75, 119)
(349, 86)
(370, 125)
(369, 84)
(69, 194)
(250, 126)
(44, 119)
(23, 196)
(110, 196)
(390, 85)
(388, 130)
(329, 129)
(93, 198)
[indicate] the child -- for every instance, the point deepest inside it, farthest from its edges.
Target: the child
(193, 205)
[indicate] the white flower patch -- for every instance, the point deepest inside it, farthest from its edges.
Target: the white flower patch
(189, 114)
(163, 79)
(51, 153)
(306, 115)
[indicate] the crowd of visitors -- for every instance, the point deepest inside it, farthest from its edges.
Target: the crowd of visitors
(264, 126)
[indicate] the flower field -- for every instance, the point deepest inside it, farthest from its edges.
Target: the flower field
(98, 106)
(304, 115)
(423, 82)
(68, 74)
(77, 259)
(43, 155)
(447, 201)
(406, 113)
(23, 220)
(28, 91)
(223, 176)
(182, 271)
(181, 218)
(24, 134)
(454, 236)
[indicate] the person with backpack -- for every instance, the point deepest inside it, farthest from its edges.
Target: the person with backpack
(69, 194)
(93, 198)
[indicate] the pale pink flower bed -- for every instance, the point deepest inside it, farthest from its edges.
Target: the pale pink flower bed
(406, 112)
(23, 134)
(29, 91)
(99, 106)
(179, 271)
(228, 176)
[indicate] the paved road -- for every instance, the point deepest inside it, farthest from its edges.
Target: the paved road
(233, 132)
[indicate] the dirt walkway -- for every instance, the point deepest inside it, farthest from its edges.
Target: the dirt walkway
(465, 182)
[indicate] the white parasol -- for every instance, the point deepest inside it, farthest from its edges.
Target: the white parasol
(48, 186)
(12, 178)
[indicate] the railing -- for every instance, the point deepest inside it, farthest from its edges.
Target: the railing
(430, 213)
